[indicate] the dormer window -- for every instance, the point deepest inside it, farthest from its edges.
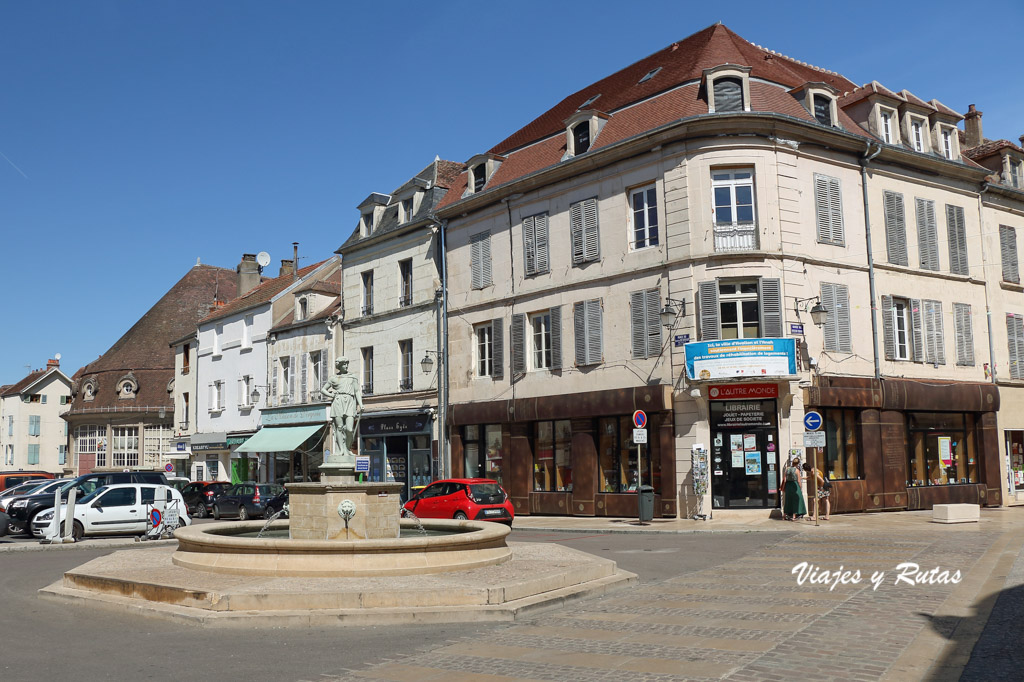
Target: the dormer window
(581, 138)
(819, 99)
(885, 117)
(407, 210)
(370, 210)
(917, 134)
(367, 222)
(581, 129)
(727, 88)
(481, 168)
(303, 311)
(479, 177)
(823, 110)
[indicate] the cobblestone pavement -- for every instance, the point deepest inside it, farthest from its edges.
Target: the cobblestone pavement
(750, 620)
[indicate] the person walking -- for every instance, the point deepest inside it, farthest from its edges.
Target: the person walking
(793, 506)
(824, 491)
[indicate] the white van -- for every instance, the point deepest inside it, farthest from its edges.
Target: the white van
(114, 510)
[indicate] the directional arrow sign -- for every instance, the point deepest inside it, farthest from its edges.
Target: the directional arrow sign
(812, 421)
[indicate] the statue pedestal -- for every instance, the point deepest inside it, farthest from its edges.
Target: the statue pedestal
(338, 472)
(314, 510)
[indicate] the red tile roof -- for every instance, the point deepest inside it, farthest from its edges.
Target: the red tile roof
(289, 319)
(943, 109)
(259, 294)
(990, 147)
(16, 388)
(911, 98)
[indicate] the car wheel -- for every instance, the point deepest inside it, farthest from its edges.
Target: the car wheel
(200, 511)
(460, 516)
(77, 531)
(181, 523)
(243, 513)
(216, 513)
(14, 529)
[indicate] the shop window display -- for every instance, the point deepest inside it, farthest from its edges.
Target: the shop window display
(482, 451)
(1015, 448)
(842, 451)
(552, 456)
(620, 461)
(942, 448)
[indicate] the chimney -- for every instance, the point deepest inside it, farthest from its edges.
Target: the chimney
(51, 364)
(972, 127)
(287, 267)
(248, 274)
(1021, 138)
(295, 260)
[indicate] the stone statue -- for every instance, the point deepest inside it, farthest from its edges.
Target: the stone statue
(346, 406)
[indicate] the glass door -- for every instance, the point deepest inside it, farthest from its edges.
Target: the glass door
(744, 455)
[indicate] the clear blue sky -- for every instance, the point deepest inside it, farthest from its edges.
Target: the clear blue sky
(138, 136)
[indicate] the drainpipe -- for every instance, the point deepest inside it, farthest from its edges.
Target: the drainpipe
(864, 160)
(442, 346)
(988, 308)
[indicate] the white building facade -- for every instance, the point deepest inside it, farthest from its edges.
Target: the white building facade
(33, 437)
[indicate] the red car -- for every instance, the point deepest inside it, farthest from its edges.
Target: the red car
(480, 499)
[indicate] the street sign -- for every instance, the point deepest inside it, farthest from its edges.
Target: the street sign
(640, 419)
(154, 518)
(814, 439)
(812, 421)
(680, 340)
(796, 329)
(168, 467)
(171, 517)
(362, 465)
(639, 435)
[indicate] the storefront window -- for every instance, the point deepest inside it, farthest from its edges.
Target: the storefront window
(620, 461)
(1015, 448)
(482, 451)
(942, 449)
(552, 456)
(492, 438)
(420, 460)
(842, 451)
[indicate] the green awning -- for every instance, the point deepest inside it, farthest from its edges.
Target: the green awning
(278, 438)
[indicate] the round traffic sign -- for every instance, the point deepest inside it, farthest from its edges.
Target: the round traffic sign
(812, 421)
(154, 517)
(168, 467)
(639, 419)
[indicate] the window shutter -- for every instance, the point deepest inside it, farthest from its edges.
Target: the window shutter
(844, 334)
(580, 332)
(498, 348)
(324, 370)
(530, 245)
(212, 399)
(556, 337)
(595, 341)
(273, 382)
(888, 332)
(770, 300)
(638, 324)
(917, 329)
(480, 260)
(518, 343)
(936, 350)
(33, 454)
(303, 377)
(831, 328)
(653, 322)
(707, 293)
(1008, 250)
(241, 393)
(576, 228)
(964, 334)
(1012, 325)
(895, 229)
(828, 209)
(591, 240)
(835, 205)
(541, 243)
(293, 369)
(957, 240)
(927, 234)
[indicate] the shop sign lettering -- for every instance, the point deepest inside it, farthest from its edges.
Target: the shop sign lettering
(743, 391)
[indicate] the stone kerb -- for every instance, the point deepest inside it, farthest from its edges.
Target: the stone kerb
(313, 510)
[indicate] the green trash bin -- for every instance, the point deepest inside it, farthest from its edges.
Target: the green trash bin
(646, 511)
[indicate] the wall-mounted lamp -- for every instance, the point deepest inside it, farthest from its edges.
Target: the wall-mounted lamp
(427, 363)
(254, 396)
(668, 313)
(819, 313)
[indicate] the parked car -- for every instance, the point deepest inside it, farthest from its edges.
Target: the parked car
(28, 488)
(245, 500)
(480, 499)
(200, 495)
(177, 482)
(24, 509)
(113, 510)
(278, 503)
(9, 479)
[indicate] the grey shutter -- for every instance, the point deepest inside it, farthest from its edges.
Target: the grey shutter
(518, 343)
(541, 243)
(556, 337)
(480, 260)
(323, 370)
(653, 305)
(835, 206)
(293, 370)
(844, 334)
(770, 299)
(895, 229)
(303, 378)
(576, 228)
(964, 334)
(728, 95)
(828, 209)
(273, 381)
(241, 393)
(917, 329)
(934, 337)
(530, 245)
(888, 332)
(707, 294)
(498, 348)
(927, 234)
(831, 329)
(580, 332)
(957, 240)
(1008, 250)
(638, 323)
(591, 237)
(595, 334)
(1013, 337)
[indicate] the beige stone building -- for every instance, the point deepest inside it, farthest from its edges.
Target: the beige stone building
(731, 240)
(33, 437)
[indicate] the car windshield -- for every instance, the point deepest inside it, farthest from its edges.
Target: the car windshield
(93, 495)
(24, 488)
(487, 492)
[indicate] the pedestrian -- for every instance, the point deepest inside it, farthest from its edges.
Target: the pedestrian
(824, 491)
(793, 507)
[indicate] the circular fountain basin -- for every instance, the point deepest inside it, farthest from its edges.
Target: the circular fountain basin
(218, 548)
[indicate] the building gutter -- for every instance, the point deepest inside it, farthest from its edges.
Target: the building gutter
(865, 159)
(441, 295)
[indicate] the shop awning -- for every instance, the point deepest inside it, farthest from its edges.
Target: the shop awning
(177, 455)
(278, 438)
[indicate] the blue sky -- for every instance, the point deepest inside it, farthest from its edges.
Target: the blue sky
(139, 136)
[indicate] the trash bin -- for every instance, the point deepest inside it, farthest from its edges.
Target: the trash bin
(646, 511)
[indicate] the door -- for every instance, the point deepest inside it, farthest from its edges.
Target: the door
(426, 506)
(397, 448)
(744, 455)
(116, 511)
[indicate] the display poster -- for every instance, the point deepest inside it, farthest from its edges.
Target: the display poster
(749, 442)
(773, 486)
(736, 442)
(945, 450)
(727, 358)
(737, 458)
(753, 461)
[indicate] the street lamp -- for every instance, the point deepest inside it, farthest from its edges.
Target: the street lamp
(668, 313)
(819, 313)
(427, 363)
(254, 396)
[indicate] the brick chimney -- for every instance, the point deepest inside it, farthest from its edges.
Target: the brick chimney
(248, 274)
(287, 267)
(1021, 138)
(52, 364)
(972, 127)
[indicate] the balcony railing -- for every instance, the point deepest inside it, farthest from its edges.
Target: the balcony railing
(405, 301)
(738, 237)
(368, 309)
(367, 389)
(405, 384)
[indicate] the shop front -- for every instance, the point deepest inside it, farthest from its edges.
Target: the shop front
(400, 447)
(1014, 441)
(289, 447)
(570, 455)
(180, 458)
(210, 457)
(745, 460)
(906, 444)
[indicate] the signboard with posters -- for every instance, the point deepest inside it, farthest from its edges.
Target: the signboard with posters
(736, 358)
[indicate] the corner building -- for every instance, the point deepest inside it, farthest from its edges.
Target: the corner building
(659, 241)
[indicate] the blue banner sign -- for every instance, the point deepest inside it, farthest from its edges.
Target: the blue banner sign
(740, 358)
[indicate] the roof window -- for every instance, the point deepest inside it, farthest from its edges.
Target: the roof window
(819, 99)
(727, 88)
(481, 168)
(581, 129)
(650, 74)
(588, 102)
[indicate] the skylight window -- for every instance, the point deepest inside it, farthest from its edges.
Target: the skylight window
(650, 74)
(588, 102)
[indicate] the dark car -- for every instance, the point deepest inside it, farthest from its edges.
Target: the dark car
(481, 499)
(200, 495)
(245, 500)
(278, 503)
(24, 509)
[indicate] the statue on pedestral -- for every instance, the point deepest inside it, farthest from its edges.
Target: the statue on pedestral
(346, 406)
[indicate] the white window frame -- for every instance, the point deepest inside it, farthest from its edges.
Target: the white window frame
(917, 126)
(407, 209)
(367, 357)
(302, 311)
(734, 235)
(946, 136)
(901, 325)
(483, 337)
(367, 280)
(1016, 173)
(885, 125)
(124, 446)
(540, 340)
(738, 299)
(405, 364)
(646, 193)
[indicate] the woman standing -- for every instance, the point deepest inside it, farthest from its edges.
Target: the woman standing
(793, 506)
(824, 487)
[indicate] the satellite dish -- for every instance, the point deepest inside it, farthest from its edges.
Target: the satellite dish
(56, 356)
(263, 259)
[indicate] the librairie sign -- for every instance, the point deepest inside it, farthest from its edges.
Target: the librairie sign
(743, 391)
(740, 358)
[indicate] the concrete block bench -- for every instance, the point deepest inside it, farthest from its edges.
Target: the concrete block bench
(956, 513)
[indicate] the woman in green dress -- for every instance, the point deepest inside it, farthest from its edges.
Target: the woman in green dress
(793, 505)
